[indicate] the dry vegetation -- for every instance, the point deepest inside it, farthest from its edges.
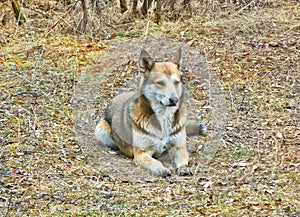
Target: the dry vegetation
(45, 170)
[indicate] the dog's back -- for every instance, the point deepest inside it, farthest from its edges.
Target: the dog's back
(114, 130)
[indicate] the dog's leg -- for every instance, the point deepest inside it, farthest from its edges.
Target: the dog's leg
(103, 134)
(144, 159)
(181, 160)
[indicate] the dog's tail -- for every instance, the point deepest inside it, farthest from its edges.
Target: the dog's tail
(195, 128)
(103, 134)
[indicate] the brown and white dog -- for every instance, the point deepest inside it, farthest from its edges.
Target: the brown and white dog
(152, 122)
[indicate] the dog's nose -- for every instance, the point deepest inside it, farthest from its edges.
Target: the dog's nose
(173, 101)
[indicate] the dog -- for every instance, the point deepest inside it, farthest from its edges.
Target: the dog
(151, 122)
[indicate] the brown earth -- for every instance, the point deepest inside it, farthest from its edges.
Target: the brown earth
(54, 86)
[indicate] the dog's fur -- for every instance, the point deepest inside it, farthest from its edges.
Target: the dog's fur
(152, 121)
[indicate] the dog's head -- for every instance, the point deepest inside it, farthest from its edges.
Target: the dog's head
(162, 84)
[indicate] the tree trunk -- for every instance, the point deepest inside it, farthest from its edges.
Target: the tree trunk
(158, 11)
(134, 6)
(146, 6)
(82, 26)
(123, 6)
(17, 11)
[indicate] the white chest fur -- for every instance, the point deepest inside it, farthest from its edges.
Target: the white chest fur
(159, 138)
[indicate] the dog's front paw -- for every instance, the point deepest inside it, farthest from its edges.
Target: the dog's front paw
(184, 171)
(162, 172)
(158, 169)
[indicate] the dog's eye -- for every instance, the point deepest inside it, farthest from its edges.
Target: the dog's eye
(160, 83)
(176, 82)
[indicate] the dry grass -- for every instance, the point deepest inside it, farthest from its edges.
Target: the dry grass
(45, 171)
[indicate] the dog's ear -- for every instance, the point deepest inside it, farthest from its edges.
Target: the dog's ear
(177, 57)
(146, 62)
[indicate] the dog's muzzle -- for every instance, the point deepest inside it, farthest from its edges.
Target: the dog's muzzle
(171, 102)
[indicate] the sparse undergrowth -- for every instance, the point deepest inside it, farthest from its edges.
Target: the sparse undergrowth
(44, 170)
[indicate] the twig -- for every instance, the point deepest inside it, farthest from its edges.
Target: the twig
(244, 7)
(147, 27)
(62, 17)
(37, 11)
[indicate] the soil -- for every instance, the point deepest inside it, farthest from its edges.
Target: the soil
(241, 66)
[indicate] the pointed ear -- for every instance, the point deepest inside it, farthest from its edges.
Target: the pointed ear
(177, 57)
(146, 62)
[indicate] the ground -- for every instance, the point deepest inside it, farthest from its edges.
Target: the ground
(50, 168)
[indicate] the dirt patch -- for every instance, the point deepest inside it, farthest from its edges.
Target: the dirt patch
(117, 71)
(46, 171)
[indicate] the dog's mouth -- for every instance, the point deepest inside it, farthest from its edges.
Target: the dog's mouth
(171, 104)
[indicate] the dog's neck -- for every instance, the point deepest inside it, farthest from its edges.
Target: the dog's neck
(150, 119)
(164, 117)
(169, 120)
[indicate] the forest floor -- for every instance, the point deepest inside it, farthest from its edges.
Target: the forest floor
(46, 171)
